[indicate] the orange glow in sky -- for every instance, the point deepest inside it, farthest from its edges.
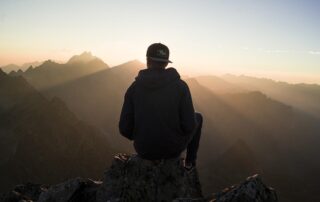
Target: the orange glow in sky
(278, 39)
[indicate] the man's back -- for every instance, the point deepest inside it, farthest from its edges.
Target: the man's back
(158, 114)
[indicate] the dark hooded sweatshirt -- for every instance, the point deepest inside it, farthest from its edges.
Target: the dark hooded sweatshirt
(158, 114)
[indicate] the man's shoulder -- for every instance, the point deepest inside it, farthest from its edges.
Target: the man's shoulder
(132, 85)
(131, 88)
(182, 84)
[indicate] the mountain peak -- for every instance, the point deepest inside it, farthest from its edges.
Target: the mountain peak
(48, 62)
(9, 67)
(2, 73)
(86, 53)
(20, 71)
(30, 68)
(84, 57)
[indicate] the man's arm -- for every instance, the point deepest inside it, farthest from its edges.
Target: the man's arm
(126, 123)
(187, 115)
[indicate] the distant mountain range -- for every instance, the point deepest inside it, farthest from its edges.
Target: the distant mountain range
(13, 67)
(101, 96)
(250, 124)
(275, 132)
(305, 97)
(41, 140)
(50, 74)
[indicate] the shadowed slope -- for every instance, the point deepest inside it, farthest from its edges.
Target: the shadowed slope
(234, 164)
(41, 140)
(219, 85)
(97, 98)
(281, 139)
(275, 132)
(305, 97)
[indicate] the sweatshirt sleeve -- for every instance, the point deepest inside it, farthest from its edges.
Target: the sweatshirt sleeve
(126, 123)
(187, 114)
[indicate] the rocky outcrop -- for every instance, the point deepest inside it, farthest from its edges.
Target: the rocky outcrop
(26, 192)
(251, 190)
(131, 178)
(75, 190)
(136, 179)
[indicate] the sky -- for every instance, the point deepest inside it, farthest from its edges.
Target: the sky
(278, 39)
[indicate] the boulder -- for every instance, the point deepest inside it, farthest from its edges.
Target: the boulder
(135, 179)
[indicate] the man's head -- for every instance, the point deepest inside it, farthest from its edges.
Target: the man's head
(158, 56)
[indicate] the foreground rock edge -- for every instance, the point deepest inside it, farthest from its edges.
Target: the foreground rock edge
(131, 178)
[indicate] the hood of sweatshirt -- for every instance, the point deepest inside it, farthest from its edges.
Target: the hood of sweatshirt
(156, 78)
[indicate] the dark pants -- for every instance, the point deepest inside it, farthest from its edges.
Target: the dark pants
(193, 146)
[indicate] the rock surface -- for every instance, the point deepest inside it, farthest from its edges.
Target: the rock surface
(131, 178)
(77, 190)
(24, 192)
(251, 190)
(136, 179)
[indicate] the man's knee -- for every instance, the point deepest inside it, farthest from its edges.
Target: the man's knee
(199, 118)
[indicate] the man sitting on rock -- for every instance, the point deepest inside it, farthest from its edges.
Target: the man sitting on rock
(158, 113)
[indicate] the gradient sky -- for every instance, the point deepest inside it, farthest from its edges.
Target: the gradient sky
(271, 38)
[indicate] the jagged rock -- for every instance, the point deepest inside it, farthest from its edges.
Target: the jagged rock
(136, 179)
(131, 178)
(251, 190)
(24, 192)
(75, 190)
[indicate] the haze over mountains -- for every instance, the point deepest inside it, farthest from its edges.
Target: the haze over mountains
(250, 124)
(50, 73)
(13, 67)
(305, 97)
(41, 140)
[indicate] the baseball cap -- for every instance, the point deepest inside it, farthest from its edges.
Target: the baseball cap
(158, 52)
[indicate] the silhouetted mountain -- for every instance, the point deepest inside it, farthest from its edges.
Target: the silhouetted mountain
(276, 139)
(279, 136)
(101, 96)
(239, 157)
(41, 140)
(50, 73)
(85, 57)
(14, 68)
(30, 68)
(27, 65)
(305, 97)
(218, 85)
(234, 164)
(2, 73)
(10, 67)
(282, 138)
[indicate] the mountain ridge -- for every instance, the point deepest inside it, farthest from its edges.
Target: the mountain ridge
(281, 137)
(42, 140)
(51, 73)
